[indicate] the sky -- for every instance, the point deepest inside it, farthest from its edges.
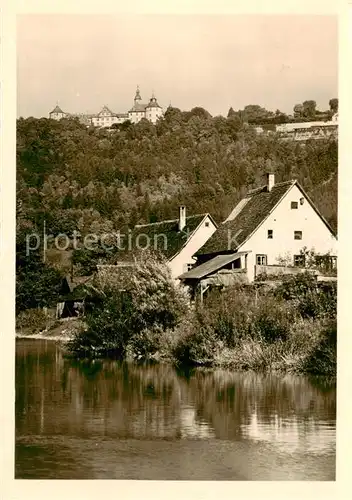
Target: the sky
(86, 61)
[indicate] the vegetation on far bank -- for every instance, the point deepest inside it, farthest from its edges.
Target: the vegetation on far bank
(101, 181)
(289, 328)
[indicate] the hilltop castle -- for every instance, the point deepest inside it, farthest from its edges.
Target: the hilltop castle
(105, 118)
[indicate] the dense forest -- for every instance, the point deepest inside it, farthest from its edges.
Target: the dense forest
(97, 180)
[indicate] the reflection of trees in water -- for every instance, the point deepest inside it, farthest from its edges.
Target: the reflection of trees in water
(38, 368)
(150, 401)
(230, 401)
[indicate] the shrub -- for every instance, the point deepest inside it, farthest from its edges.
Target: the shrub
(241, 330)
(145, 343)
(195, 342)
(322, 358)
(241, 313)
(108, 330)
(134, 309)
(34, 319)
(311, 299)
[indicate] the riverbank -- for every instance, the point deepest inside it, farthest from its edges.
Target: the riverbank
(59, 330)
(310, 348)
(291, 328)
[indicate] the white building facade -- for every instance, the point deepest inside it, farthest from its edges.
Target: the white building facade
(293, 226)
(185, 259)
(106, 118)
(272, 230)
(151, 111)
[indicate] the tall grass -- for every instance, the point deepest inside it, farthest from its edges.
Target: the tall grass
(291, 329)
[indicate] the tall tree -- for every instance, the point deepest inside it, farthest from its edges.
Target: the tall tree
(334, 105)
(309, 109)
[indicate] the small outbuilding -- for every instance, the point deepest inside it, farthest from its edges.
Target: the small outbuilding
(74, 294)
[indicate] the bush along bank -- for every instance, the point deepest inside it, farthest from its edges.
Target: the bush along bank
(290, 328)
(132, 310)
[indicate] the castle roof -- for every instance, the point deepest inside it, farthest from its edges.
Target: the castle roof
(138, 94)
(106, 110)
(153, 103)
(57, 109)
(138, 107)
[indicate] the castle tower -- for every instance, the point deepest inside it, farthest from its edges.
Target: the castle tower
(57, 113)
(153, 110)
(137, 98)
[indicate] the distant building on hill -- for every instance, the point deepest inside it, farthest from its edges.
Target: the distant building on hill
(105, 118)
(151, 111)
(57, 113)
(301, 131)
(309, 130)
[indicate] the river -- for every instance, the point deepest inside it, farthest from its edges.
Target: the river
(110, 420)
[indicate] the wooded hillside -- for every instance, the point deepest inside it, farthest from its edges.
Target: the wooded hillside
(96, 180)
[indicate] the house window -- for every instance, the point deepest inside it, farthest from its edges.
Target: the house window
(294, 205)
(270, 234)
(261, 260)
(207, 224)
(299, 260)
(298, 235)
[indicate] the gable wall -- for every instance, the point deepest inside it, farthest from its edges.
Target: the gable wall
(284, 221)
(179, 263)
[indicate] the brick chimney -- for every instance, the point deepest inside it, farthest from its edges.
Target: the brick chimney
(270, 181)
(182, 218)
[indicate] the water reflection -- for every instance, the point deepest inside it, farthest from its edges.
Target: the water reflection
(106, 400)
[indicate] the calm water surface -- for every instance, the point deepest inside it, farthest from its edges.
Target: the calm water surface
(107, 420)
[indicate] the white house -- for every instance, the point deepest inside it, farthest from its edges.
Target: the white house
(273, 223)
(178, 240)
